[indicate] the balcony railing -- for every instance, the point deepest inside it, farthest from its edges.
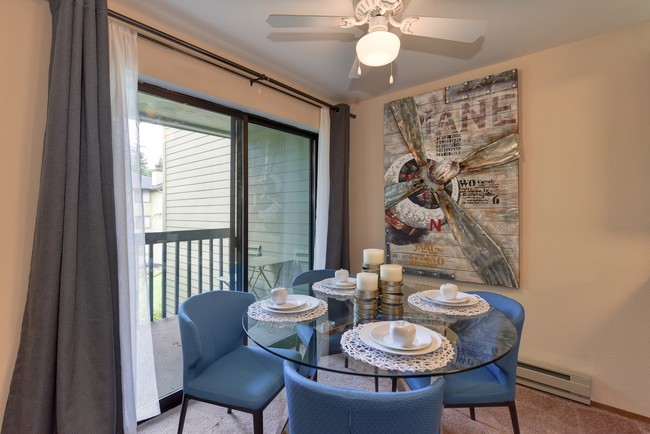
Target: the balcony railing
(181, 264)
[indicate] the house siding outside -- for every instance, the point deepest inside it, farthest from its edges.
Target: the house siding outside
(279, 197)
(196, 196)
(197, 192)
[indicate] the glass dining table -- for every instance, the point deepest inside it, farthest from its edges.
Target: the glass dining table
(476, 340)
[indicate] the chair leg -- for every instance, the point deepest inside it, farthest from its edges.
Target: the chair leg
(472, 413)
(394, 384)
(513, 416)
(258, 423)
(376, 384)
(229, 410)
(181, 420)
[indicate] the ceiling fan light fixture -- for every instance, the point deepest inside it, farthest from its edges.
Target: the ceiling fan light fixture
(378, 48)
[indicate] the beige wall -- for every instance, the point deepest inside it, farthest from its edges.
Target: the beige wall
(585, 234)
(585, 206)
(25, 45)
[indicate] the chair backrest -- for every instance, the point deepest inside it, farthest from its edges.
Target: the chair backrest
(505, 369)
(211, 327)
(301, 255)
(317, 408)
(255, 251)
(312, 276)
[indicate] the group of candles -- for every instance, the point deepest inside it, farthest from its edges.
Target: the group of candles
(387, 272)
(379, 287)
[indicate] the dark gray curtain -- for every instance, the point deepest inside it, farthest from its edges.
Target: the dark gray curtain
(67, 373)
(338, 232)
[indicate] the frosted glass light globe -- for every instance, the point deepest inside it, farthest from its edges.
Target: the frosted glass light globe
(378, 48)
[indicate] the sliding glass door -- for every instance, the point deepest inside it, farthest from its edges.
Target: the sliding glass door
(280, 185)
(228, 205)
(186, 172)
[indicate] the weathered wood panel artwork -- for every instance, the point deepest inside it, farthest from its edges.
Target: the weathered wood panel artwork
(451, 161)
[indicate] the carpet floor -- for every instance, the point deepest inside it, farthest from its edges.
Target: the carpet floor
(539, 413)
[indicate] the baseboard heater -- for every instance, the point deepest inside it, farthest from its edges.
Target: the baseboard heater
(559, 382)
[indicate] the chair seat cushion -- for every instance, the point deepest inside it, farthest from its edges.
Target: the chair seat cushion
(248, 377)
(477, 386)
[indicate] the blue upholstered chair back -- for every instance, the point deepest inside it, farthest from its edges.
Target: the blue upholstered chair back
(211, 327)
(312, 276)
(317, 408)
(505, 369)
(337, 309)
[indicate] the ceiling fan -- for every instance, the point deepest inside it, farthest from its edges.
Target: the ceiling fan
(380, 46)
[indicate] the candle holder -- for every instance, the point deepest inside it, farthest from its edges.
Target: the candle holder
(366, 304)
(387, 287)
(370, 268)
(391, 299)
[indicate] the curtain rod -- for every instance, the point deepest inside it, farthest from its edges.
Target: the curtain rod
(223, 63)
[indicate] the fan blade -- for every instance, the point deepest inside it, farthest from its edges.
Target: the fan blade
(496, 153)
(444, 28)
(305, 21)
(406, 116)
(395, 193)
(356, 66)
(482, 252)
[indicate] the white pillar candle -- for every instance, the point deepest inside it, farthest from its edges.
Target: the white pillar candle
(367, 281)
(390, 272)
(373, 256)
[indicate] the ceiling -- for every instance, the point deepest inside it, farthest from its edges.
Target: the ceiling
(319, 60)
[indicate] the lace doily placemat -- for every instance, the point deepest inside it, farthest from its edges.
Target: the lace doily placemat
(320, 288)
(256, 312)
(476, 309)
(354, 347)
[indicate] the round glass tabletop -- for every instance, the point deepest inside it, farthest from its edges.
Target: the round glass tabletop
(476, 340)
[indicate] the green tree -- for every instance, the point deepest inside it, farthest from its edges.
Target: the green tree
(144, 165)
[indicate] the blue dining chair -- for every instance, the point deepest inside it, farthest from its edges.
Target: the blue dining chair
(305, 333)
(493, 385)
(218, 367)
(312, 276)
(336, 308)
(316, 408)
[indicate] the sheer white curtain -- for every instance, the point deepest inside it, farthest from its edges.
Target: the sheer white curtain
(322, 190)
(138, 371)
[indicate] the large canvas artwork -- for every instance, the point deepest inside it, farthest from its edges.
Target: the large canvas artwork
(451, 181)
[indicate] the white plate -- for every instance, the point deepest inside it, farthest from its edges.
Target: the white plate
(381, 335)
(364, 334)
(332, 283)
(309, 303)
(461, 300)
(291, 303)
